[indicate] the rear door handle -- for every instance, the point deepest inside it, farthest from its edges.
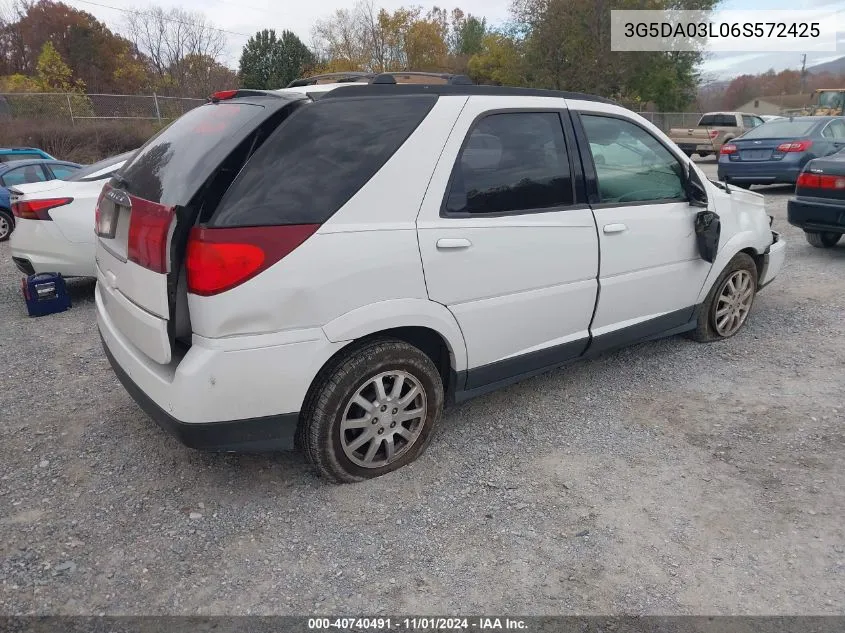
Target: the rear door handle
(615, 228)
(453, 242)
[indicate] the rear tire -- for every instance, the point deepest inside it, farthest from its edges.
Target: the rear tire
(7, 225)
(822, 239)
(352, 430)
(728, 304)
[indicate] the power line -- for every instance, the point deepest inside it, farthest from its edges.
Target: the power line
(161, 17)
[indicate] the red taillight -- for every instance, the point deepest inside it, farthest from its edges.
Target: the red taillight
(37, 209)
(809, 181)
(222, 95)
(149, 226)
(713, 134)
(820, 181)
(728, 149)
(795, 146)
(220, 259)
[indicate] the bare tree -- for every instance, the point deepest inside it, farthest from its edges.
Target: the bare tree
(13, 52)
(170, 39)
(345, 38)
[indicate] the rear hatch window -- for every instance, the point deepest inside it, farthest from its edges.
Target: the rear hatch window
(171, 167)
(781, 129)
(145, 213)
(318, 159)
(720, 120)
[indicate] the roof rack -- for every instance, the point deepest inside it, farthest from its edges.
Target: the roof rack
(341, 77)
(363, 90)
(394, 77)
(446, 78)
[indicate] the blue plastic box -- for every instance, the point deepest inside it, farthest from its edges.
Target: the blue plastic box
(45, 293)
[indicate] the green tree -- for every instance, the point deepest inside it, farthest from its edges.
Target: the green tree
(499, 62)
(269, 62)
(94, 54)
(293, 58)
(567, 46)
(257, 67)
(469, 35)
(53, 73)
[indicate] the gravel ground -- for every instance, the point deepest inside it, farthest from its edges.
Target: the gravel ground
(668, 478)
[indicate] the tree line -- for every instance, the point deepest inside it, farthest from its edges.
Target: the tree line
(168, 51)
(559, 44)
(744, 88)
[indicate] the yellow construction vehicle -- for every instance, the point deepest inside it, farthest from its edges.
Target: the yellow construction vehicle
(828, 101)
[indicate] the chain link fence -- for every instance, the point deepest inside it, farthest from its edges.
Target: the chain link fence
(667, 120)
(78, 108)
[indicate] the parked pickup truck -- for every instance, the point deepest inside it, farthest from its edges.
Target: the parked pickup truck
(713, 130)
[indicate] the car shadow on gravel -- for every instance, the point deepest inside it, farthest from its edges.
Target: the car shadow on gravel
(774, 190)
(81, 289)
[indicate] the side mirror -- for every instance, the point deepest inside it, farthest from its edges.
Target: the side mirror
(696, 193)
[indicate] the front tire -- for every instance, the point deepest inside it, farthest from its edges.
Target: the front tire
(7, 225)
(726, 308)
(371, 411)
(822, 239)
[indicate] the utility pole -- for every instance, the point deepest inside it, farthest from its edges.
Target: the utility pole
(803, 72)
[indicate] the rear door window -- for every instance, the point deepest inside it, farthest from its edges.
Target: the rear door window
(24, 175)
(318, 159)
(62, 172)
(511, 162)
(837, 129)
(171, 167)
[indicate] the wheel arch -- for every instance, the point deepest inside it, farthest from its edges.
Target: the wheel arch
(425, 324)
(745, 242)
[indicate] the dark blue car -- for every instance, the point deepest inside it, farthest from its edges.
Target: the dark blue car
(777, 151)
(19, 172)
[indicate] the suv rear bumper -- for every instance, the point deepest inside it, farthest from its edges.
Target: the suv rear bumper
(239, 393)
(275, 432)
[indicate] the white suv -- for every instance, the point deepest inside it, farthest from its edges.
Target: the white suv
(328, 266)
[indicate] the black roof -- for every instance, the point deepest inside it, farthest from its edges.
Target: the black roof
(368, 90)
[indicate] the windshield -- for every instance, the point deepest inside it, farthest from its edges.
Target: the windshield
(100, 170)
(782, 129)
(830, 99)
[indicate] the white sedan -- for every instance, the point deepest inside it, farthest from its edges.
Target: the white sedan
(54, 221)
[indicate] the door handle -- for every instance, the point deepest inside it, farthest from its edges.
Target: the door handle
(615, 228)
(453, 242)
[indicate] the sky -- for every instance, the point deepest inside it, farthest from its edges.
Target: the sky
(241, 20)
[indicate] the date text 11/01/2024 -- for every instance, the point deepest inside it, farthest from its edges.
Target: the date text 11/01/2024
(416, 624)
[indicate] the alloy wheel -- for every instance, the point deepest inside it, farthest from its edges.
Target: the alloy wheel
(383, 419)
(734, 303)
